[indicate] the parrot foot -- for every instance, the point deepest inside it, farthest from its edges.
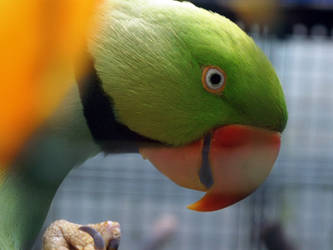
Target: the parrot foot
(64, 235)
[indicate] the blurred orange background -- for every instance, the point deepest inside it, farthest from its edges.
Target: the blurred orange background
(39, 39)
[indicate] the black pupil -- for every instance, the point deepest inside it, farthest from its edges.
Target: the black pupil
(215, 79)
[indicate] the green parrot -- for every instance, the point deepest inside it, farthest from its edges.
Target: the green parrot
(185, 87)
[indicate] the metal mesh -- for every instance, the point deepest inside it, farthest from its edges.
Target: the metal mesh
(298, 194)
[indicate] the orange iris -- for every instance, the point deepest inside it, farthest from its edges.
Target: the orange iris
(213, 79)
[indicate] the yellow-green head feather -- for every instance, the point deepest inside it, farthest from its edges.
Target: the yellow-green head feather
(150, 56)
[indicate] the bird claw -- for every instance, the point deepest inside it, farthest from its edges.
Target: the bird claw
(65, 235)
(113, 244)
(99, 240)
(97, 237)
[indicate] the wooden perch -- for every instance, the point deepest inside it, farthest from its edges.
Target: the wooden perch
(64, 235)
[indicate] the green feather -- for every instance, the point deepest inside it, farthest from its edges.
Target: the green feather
(149, 55)
(28, 188)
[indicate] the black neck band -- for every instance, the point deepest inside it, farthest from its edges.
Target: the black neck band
(112, 136)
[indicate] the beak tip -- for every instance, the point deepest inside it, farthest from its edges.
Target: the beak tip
(192, 207)
(200, 207)
(211, 202)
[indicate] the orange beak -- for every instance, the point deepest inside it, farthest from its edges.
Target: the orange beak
(239, 160)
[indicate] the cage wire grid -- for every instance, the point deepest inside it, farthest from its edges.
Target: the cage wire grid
(298, 193)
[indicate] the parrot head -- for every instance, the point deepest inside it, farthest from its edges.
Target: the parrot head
(197, 96)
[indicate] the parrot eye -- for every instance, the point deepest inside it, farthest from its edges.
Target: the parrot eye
(213, 79)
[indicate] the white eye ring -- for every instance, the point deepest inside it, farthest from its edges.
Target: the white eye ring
(213, 79)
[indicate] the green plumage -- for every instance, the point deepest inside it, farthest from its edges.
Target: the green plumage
(62, 143)
(149, 56)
